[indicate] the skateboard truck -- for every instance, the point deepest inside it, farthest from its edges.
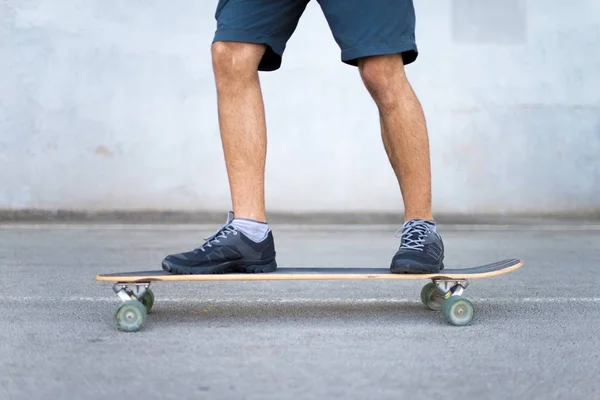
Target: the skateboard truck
(131, 291)
(449, 288)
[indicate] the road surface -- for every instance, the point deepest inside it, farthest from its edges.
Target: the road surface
(535, 333)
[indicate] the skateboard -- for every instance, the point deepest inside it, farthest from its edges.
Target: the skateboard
(444, 293)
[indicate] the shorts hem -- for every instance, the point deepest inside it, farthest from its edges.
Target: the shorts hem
(271, 60)
(408, 49)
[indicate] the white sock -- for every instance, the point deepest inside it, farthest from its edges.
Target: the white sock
(255, 230)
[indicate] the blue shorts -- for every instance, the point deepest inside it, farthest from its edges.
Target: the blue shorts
(360, 27)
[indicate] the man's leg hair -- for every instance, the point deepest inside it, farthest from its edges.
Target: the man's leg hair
(242, 124)
(403, 131)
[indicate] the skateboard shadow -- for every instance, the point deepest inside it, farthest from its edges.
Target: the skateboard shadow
(232, 314)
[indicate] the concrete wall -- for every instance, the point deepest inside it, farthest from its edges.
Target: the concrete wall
(110, 104)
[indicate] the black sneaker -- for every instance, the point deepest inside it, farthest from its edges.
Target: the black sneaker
(421, 249)
(227, 251)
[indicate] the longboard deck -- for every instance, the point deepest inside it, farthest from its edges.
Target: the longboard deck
(312, 273)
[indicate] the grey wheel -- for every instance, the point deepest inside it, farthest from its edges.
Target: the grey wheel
(458, 310)
(130, 316)
(431, 297)
(148, 300)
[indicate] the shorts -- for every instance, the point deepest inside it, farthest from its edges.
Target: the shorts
(361, 28)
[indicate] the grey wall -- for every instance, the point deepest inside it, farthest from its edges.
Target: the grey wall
(110, 104)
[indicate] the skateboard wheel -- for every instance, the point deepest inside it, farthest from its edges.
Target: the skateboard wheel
(148, 300)
(431, 297)
(458, 310)
(130, 316)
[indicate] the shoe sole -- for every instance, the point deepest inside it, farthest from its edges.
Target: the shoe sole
(229, 267)
(416, 269)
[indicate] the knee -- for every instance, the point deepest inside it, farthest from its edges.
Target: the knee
(233, 59)
(384, 78)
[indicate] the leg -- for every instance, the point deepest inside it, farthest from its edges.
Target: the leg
(245, 43)
(251, 36)
(243, 244)
(380, 40)
(242, 123)
(406, 142)
(403, 130)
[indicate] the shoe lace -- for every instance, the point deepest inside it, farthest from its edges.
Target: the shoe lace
(221, 233)
(413, 234)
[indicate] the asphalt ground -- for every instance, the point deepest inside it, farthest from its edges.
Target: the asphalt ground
(535, 334)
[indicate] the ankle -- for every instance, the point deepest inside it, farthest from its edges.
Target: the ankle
(248, 216)
(423, 216)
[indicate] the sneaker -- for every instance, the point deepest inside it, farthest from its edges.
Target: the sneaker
(421, 249)
(227, 251)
